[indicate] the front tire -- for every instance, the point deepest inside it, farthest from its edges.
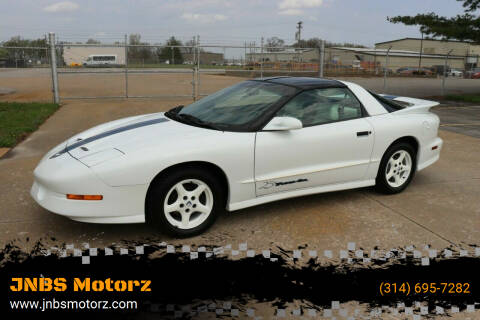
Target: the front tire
(397, 169)
(185, 203)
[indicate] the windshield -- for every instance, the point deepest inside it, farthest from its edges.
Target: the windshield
(238, 106)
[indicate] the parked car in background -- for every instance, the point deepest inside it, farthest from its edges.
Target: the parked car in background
(473, 74)
(356, 64)
(383, 69)
(423, 71)
(440, 69)
(455, 73)
(408, 71)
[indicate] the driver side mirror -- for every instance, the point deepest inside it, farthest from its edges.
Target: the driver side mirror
(283, 124)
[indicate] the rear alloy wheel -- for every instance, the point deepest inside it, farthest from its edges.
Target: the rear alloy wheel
(397, 169)
(185, 203)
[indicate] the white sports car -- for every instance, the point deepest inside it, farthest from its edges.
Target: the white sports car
(255, 142)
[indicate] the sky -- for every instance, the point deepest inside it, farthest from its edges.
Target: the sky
(226, 22)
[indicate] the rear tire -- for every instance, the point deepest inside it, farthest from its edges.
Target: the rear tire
(185, 203)
(397, 169)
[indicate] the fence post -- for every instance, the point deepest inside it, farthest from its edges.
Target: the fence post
(245, 56)
(321, 58)
(53, 66)
(261, 62)
(445, 72)
(197, 81)
(194, 73)
(126, 67)
(386, 70)
(193, 84)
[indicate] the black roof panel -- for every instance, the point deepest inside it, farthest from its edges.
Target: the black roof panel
(305, 82)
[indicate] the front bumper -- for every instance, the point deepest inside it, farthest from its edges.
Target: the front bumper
(54, 178)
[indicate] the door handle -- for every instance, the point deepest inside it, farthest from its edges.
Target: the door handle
(363, 133)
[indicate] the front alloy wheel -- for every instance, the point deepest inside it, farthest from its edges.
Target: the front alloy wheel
(188, 204)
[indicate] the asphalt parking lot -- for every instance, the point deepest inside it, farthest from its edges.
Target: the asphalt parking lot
(440, 208)
(460, 118)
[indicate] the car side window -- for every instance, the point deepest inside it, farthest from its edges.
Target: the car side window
(319, 106)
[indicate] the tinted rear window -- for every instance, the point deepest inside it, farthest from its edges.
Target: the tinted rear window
(389, 105)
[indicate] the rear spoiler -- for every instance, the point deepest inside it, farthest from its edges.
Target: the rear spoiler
(412, 105)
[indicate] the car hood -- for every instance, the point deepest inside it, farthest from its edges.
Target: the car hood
(128, 135)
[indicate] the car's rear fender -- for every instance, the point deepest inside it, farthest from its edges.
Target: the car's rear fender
(388, 128)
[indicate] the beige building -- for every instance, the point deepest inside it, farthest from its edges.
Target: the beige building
(373, 59)
(467, 50)
(79, 54)
(367, 58)
(432, 46)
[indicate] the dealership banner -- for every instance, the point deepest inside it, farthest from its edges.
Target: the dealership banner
(183, 281)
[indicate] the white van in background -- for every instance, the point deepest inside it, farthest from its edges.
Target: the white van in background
(98, 60)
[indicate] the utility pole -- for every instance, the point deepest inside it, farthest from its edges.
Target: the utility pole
(298, 34)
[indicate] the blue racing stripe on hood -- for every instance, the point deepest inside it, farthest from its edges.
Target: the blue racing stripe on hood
(108, 133)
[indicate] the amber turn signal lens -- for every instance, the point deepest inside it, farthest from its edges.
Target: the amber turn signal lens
(84, 197)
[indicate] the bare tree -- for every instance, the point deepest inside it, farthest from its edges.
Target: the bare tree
(190, 44)
(138, 54)
(92, 41)
(274, 44)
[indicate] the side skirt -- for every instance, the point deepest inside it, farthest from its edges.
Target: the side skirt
(298, 193)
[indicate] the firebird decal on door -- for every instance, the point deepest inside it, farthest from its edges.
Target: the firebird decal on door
(271, 184)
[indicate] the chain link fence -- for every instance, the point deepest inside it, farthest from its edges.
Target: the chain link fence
(24, 57)
(125, 70)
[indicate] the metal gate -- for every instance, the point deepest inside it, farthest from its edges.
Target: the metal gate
(123, 70)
